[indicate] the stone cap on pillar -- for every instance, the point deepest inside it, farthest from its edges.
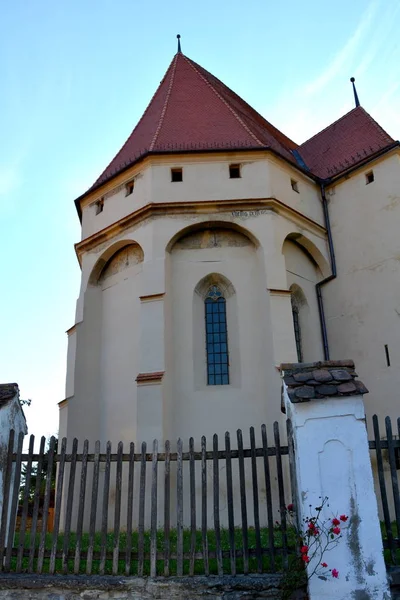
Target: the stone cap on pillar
(331, 378)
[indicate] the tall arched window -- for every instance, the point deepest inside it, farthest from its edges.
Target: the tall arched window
(216, 337)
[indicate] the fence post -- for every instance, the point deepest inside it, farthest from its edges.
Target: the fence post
(11, 418)
(325, 405)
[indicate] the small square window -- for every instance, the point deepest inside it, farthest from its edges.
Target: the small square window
(295, 185)
(369, 177)
(176, 175)
(129, 188)
(99, 205)
(234, 171)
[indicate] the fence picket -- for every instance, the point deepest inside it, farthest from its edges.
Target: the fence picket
(70, 500)
(229, 488)
(382, 484)
(153, 524)
(14, 503)
(57, 506)
(36, 502)
(179, 511)
(217, 527)
(393, 472)
(24, 516)
(167, 500)
(243, 505)
(129, 516)
(46, 504)
(192, 480)
(104, 515)
(255, 500)
(281, 491)
(6, 496)
(117, 512)
(81, 507)
(93, 508)
(204, 504)
(142, 495)
(268, 495)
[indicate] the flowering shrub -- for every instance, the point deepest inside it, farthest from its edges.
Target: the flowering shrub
(315, 537)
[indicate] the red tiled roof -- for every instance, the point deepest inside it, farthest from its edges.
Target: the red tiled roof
(192, 110)
(348, 141)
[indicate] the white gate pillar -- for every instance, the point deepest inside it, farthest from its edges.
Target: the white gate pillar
(325, 405)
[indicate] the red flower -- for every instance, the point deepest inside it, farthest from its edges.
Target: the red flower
(304, 549)
(305, 558)
(343, 518)
(335, 573)
(336, 530)
(311, 525)
(335, 522)
(324, 565)
(290, 507)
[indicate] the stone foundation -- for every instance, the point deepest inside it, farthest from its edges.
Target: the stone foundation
(47, 587)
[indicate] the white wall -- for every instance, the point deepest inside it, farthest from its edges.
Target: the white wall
(363, 303)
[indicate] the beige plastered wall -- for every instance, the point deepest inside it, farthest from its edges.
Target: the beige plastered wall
(363, 304)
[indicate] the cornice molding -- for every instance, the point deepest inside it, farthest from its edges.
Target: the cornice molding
(150, 378)
(202, 207)
(152, 297)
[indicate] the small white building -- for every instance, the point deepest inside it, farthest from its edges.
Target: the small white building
(214, 248)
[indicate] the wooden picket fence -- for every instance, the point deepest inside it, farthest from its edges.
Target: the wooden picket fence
(253, 537)
(385, 456)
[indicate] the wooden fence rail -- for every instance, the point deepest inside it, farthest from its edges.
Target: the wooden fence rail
(74, 512)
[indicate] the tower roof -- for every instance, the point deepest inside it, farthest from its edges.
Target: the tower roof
(350, 140)
(193, 110)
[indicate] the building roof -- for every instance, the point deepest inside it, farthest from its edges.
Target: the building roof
(8, 391)
(193, 110)
(342, 145)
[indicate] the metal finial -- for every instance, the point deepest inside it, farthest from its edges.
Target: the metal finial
(179, 42)
(355, 92)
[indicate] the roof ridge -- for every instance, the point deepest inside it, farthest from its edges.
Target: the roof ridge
(330, 125)
(223, 101)
(138, 123)
(164, 109)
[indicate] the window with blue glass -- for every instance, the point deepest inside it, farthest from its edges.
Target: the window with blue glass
(216, 338)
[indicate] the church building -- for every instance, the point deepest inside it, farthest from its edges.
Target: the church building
(213, 249)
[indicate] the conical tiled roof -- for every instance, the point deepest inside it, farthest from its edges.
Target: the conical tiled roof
(193, 110)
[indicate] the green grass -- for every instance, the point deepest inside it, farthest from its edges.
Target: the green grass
(391, 557)
(198, 564)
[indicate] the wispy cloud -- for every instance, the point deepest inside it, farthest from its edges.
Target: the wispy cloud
(10, 179)
(346, 55)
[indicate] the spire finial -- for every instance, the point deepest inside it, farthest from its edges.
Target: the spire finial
(179, 43)
(355, 92)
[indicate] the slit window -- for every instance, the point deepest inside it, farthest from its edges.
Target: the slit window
(216, 338)
(129, 188)
(295, 185)
(176, 175)
(99, 206)
(234, 171)
(369, 177)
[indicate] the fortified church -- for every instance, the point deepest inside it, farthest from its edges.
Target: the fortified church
(215, 248)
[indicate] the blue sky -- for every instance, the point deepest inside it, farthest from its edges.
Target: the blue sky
(75, 78)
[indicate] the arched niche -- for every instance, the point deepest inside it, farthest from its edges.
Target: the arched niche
(119, 256)
(311, 250)
(212, 234)
(199, 257)
(302, 274)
